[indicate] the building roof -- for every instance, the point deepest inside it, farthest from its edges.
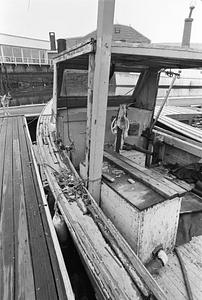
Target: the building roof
(121, 33)
(20, 41)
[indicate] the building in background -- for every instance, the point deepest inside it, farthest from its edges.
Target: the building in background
(26, 69)
(19, 50)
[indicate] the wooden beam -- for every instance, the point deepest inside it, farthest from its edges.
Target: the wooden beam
(180, 144)
(76, 51)
(54, 106)
(164, 52)
(160, 185)
(81, 101)
(91, 70)
(100, 93)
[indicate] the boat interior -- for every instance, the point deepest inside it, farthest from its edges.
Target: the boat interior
(175, 146)
(151, 186)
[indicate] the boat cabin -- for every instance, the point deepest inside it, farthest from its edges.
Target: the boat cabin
(150, 203)
(147, 61)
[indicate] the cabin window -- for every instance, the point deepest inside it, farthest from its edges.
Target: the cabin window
(74, 83)
(125, 83)
(188, 84)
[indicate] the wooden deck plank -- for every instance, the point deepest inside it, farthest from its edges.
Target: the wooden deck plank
(170, 277)
(43, 276)
(29, 267)
(162, 189)
(6, 222)
(155, 175)
(24, 279)
(54, 262)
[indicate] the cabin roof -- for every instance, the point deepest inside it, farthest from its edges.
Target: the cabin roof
(134, 57)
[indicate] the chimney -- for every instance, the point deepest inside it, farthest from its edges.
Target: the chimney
(61, 45)
(187, 29)
(52, 41)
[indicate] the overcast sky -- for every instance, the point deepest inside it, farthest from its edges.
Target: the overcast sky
(159, 20)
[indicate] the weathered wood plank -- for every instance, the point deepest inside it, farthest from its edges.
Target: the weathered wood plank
(91, 70)
(154, 174)
(162, 189)
(100, 94)
(178, 143)
(6, 221)
(24, 279)
(43, 276)
(81, 101)
(78, 50)
(170, 277)
(53, 258)
(182, 128)
(29, 268)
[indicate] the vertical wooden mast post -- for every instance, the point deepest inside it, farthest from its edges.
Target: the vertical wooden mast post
(54, 107)
(100, 94)
(91, 71)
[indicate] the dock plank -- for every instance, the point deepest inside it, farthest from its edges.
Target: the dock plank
(53, 259)
(6, 222)
(44, 281)
(24, 279)
(29, 267)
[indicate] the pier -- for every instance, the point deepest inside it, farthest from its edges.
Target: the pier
(31, 264)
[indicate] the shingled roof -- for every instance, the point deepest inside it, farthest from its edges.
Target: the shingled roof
(121, 33)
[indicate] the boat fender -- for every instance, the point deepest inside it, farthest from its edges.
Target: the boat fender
(159, 260)
(162, 256)
(60, 227)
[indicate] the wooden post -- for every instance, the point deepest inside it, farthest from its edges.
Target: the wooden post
(54, 106)
(91, 70)
(100, 93)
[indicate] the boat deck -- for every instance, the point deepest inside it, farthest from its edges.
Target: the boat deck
(29, 265)
(179, 118)
(170, 277)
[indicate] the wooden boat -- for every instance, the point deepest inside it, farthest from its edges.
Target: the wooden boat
(123, 215)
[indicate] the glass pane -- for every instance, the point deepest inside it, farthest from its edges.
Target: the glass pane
(7, 51)
(74, 83)
(17, 52)
(27, 52)
(35, 53)
(123, 83)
